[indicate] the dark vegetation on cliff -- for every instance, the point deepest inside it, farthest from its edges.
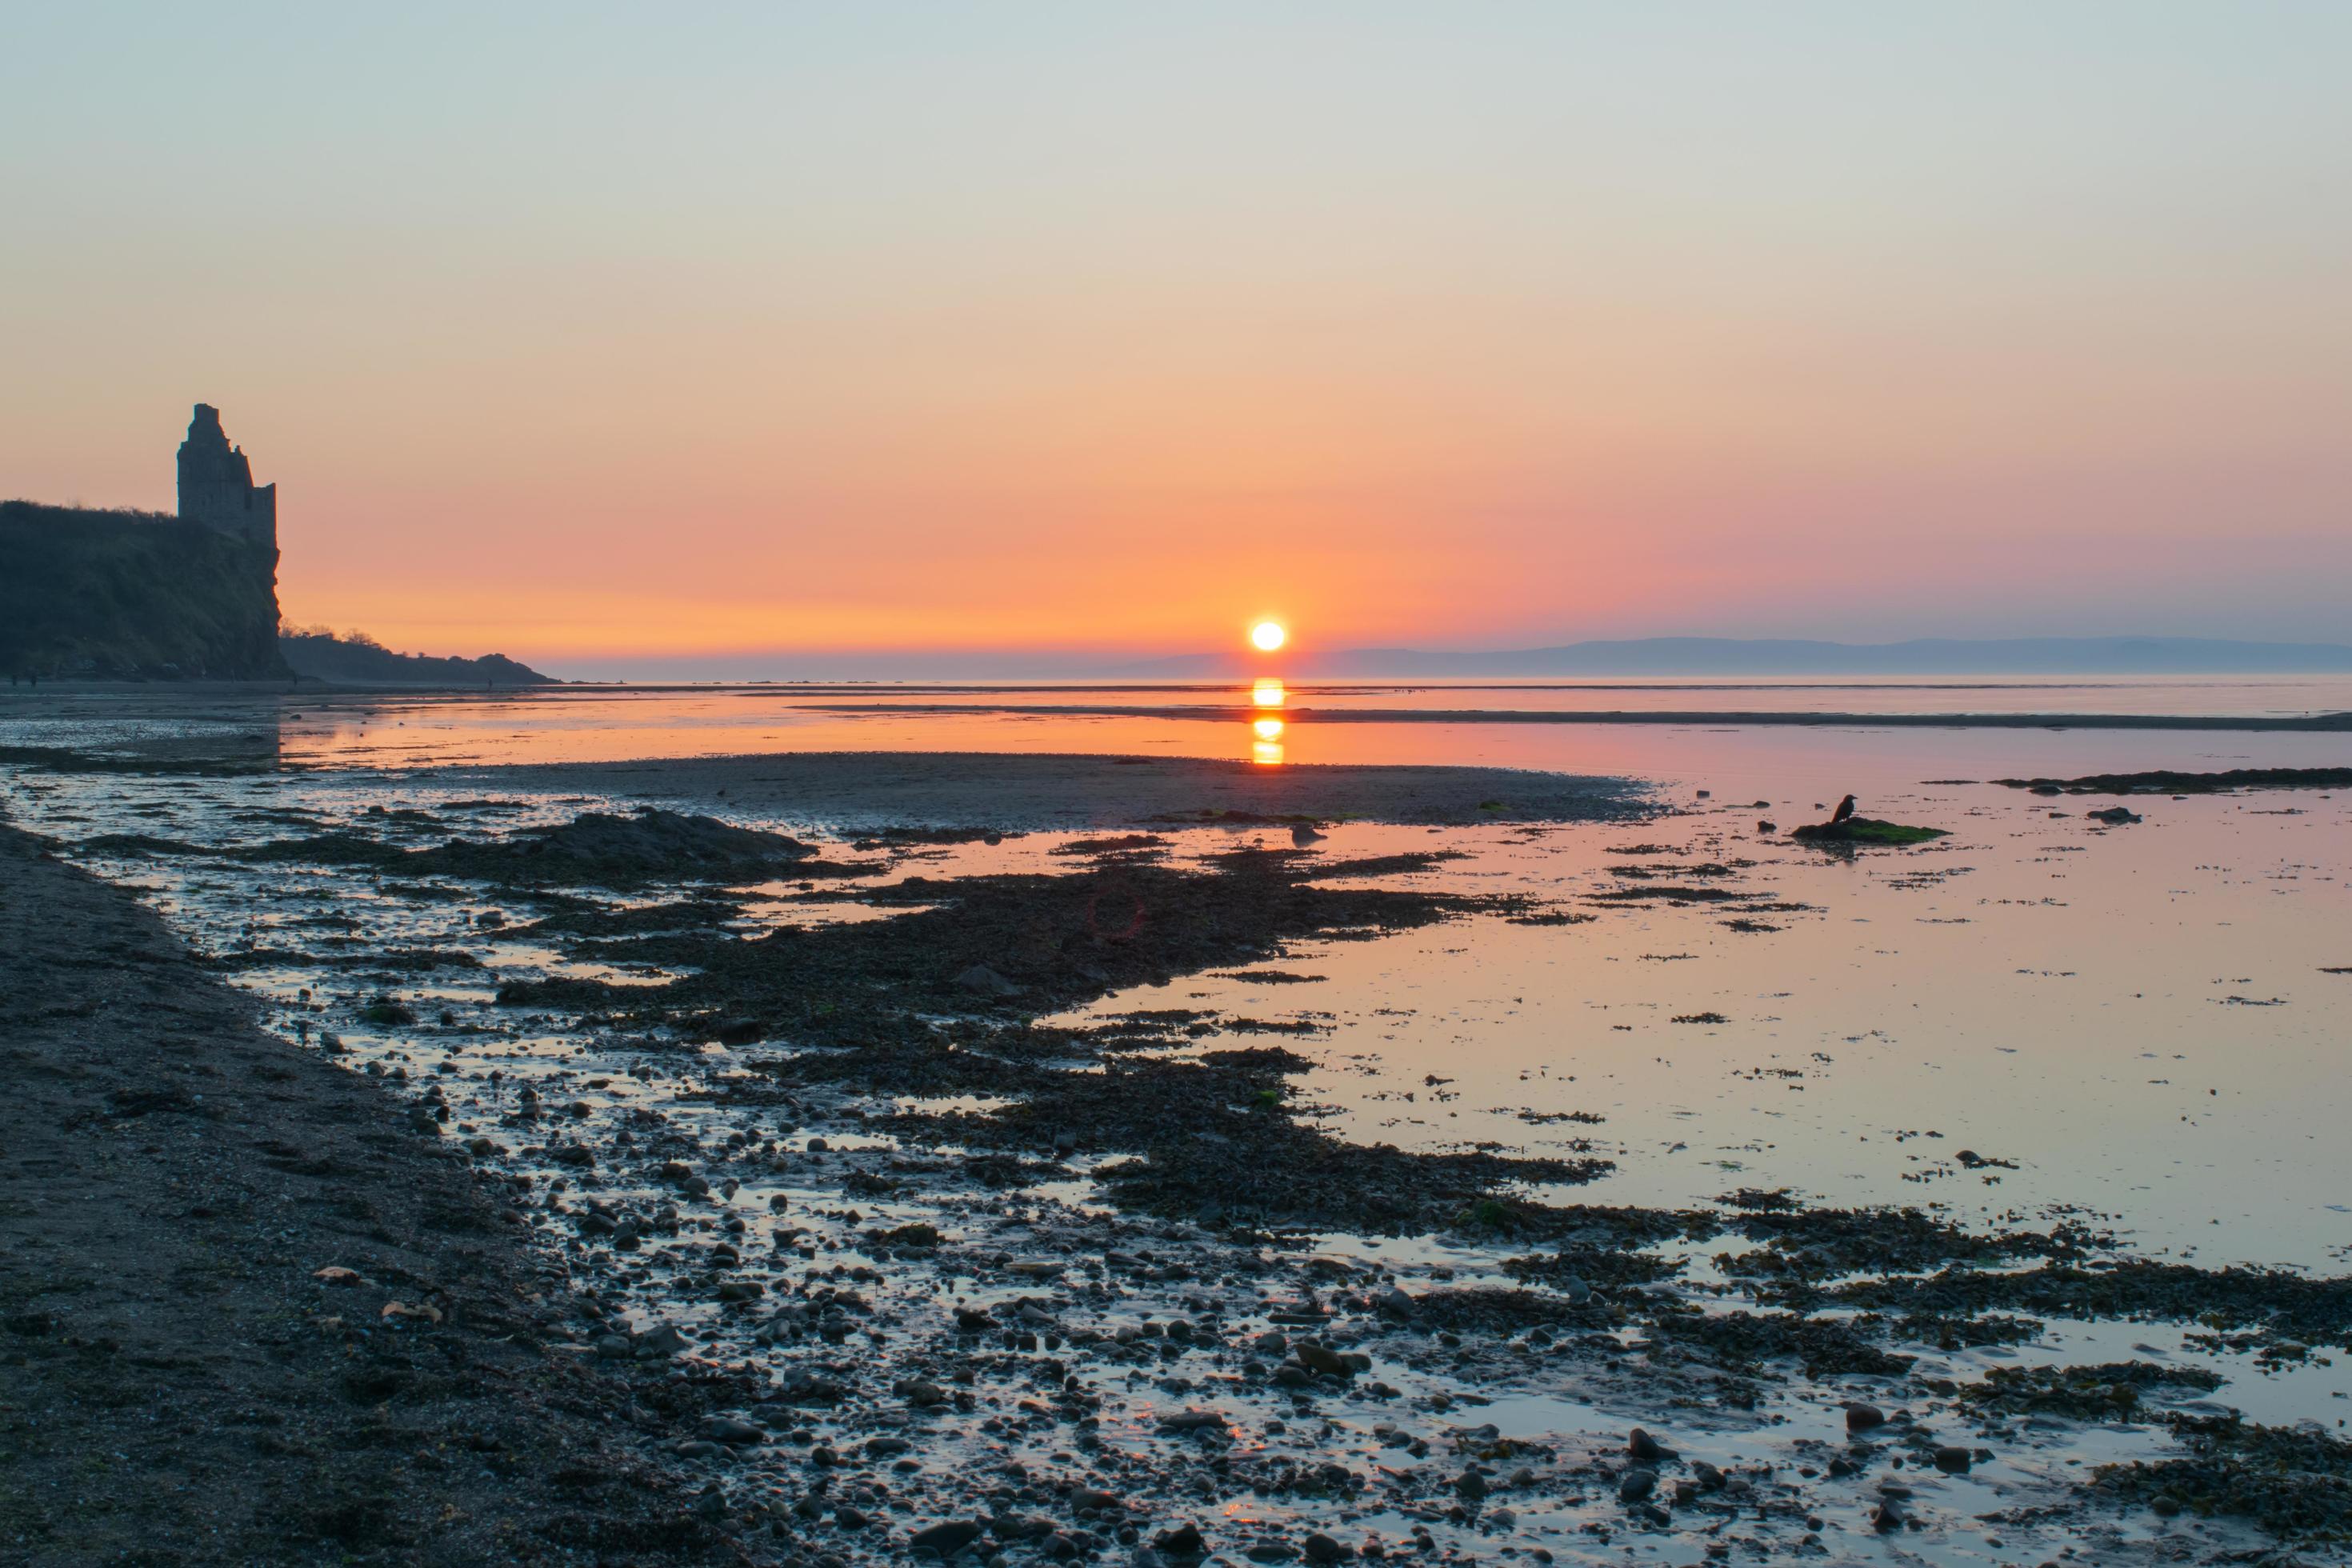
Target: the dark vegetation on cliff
(88, 593)
(355, 658)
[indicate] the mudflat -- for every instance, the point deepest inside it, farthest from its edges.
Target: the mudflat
(1037, 791)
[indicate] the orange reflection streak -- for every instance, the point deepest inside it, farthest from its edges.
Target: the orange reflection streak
(1265, 749)
(1268, 693)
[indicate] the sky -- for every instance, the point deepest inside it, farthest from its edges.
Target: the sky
(719, 339)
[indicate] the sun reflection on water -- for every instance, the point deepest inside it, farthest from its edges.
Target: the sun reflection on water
(1265, 743)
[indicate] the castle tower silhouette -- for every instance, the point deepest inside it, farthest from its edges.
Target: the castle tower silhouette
(217, 486)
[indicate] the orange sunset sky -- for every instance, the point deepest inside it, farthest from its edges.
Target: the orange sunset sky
(625, 341)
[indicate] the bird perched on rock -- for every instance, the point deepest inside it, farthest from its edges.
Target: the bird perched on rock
(1845, 810)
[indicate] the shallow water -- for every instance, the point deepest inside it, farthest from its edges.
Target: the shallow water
(609, 723)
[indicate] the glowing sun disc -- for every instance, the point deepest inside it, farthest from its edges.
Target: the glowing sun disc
(1268, 635)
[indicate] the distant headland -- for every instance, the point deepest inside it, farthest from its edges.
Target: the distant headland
(114, 593)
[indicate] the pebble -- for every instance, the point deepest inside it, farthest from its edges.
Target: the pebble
(1862, 1417)
(1637, 1485)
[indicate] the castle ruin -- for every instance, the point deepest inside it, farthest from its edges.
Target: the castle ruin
(216, 488)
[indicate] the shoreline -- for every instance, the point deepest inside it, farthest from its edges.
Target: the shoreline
(186, 1374)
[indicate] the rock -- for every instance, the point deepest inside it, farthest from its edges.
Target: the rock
(742, 1290)
(884, 1447)
(1888, 1515)
(1952, 1459)
(1191, 1421)
(735, 1434)
(1395, 1303)
(614, 1347)
(944, 1539)
(1302, 836)
(1321, 1358)
(2113, 816)
(920, 1392)
(1637, 1485)
(1652, 1513)
(849, 1518)
(666, 1341)
(1321, 1548)
(1577, 1291)
(1184, 1540)
(1641, 1446)
(1862, 1417)
(973, 1320)
(1470, 1486)
(983, 981)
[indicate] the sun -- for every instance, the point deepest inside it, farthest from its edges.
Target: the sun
(1268, 635)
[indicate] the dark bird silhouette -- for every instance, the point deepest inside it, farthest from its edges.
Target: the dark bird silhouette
(1845, 810)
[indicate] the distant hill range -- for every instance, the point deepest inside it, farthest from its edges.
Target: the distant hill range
(317, 654)
(1742, 659)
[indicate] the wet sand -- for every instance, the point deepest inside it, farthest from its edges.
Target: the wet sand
(178, 1381)
(862, 790)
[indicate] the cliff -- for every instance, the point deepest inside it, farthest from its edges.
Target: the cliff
(357, 661)
(133, 595)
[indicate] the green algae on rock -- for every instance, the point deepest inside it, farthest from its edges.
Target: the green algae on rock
(1864, 830)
